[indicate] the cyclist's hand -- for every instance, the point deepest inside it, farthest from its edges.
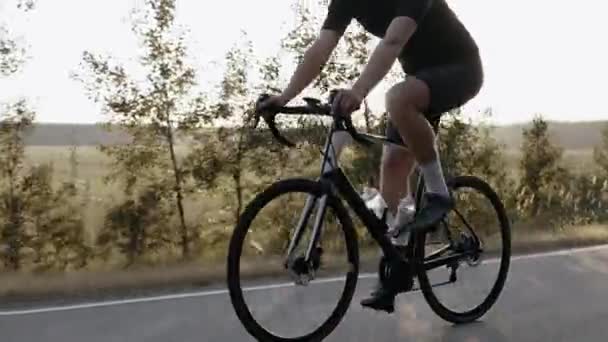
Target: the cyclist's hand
(346, 102)
(274, 101)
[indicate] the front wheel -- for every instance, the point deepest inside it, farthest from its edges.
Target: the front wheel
(258, 255)
(478, 228)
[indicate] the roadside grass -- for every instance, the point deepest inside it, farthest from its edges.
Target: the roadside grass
(198, 273)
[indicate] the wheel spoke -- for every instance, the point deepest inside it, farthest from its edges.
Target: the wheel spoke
(438, 262)
(466, 223)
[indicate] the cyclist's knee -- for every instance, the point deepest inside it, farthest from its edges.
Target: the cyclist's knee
(409, 97)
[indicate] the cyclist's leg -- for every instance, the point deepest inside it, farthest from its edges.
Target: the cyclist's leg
(431, 91)
(404, 100)
(439, 90)
(395, 170)
(396, 167)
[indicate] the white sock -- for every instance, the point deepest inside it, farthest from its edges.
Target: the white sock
(408, 200)
(433, 178)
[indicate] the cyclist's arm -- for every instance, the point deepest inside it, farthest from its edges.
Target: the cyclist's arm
(314, 58)
(385, 55)
(396, 37)
(339, 16)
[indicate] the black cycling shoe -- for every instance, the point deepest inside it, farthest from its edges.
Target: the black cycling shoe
(380, 299)
(435, 209)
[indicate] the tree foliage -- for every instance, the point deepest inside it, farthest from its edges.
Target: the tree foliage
(12, 53)
(156, 113)
(38, 223)
(468, 148)
(542, 177)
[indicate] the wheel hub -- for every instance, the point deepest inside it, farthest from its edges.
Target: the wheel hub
(301, 271)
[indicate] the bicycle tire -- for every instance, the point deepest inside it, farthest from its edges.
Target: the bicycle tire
(425, 285)
(236, 245)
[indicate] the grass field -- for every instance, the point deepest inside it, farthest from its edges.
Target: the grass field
(93, 166)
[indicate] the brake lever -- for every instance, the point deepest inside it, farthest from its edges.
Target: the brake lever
(257, 113)
(269, 117)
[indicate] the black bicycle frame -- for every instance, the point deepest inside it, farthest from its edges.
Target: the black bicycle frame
(336, 182)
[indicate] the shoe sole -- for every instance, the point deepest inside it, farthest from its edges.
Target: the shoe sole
(389, 309)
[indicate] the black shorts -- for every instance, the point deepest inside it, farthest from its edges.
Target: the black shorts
(451, 86)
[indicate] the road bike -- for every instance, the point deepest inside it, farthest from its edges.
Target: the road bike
(457, 249)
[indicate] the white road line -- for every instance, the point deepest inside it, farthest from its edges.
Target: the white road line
(257, 288)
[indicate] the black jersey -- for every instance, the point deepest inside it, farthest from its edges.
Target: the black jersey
(440, 37)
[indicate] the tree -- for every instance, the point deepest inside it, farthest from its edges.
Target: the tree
(156, 113)
(26, 5)
(244, 148)
(36, 219)
(234, 106)
(600, 153)
(54, 221)
(38, 223)
(15, 120)
(12, 54)
(466, 147)
(541, 176)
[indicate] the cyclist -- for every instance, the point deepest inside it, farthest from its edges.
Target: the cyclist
(443, 71)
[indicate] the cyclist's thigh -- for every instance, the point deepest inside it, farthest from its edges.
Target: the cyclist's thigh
(450, 85)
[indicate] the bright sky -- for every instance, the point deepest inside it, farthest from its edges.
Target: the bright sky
(540, 56)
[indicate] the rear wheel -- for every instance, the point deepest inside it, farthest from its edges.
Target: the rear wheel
(265, 228)
(465, 290)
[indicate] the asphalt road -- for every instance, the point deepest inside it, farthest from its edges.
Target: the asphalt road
(549, 297)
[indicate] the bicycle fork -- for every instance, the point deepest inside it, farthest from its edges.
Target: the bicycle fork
(301, 269)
